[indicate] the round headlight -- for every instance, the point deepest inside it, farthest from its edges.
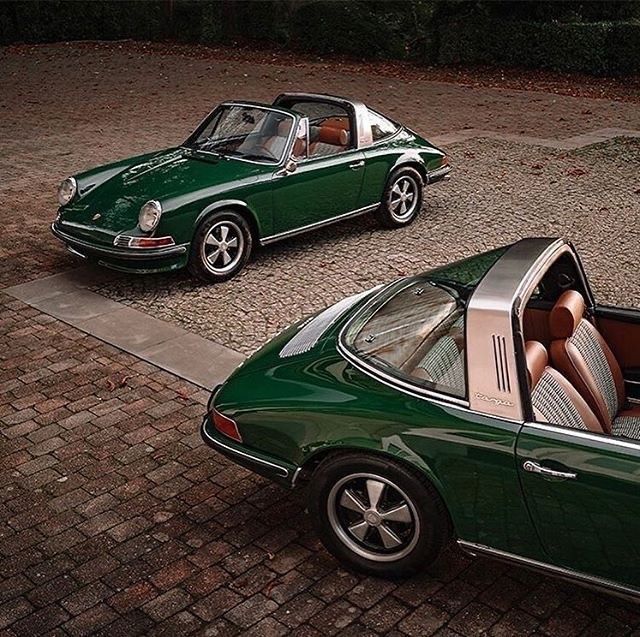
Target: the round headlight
(67, 191)
(149, 215)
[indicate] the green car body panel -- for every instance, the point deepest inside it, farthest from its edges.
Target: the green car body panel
(293, 411)
(191, 184)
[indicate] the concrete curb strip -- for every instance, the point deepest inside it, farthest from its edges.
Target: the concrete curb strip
(65, 297)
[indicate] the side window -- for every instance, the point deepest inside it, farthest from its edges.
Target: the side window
(418, 336)
(381, 127)
(329, 127)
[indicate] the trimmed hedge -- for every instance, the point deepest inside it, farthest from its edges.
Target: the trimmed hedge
(59, 20)
(596, 48)
(623, 48)
(432, 31)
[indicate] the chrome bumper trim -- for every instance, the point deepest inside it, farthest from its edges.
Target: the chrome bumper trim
(438, 174)
(151, 253)
(213, 442)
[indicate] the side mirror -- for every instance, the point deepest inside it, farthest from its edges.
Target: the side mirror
(291, 166)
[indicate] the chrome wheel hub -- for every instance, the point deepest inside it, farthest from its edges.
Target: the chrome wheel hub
(222, 247)
(373, 517)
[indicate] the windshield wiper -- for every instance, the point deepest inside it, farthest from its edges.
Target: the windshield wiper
(255, 156)
(201, 146)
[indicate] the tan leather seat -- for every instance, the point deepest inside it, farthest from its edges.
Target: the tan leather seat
(329, 139)
(580, 353)
(275, 143)
(553, 397)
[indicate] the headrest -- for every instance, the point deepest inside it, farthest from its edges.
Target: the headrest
(537, 360)
(566, 314)
(333, 136)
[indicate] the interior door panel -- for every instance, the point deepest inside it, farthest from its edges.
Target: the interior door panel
(535, 324)
(620, 328)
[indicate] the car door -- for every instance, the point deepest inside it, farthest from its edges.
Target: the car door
(583, 494)
(318, 189)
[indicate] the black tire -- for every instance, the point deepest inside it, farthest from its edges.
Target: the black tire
(394, 211)
(207, 260)
(422, 538)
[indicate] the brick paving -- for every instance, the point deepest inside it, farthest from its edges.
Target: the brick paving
(115, 519)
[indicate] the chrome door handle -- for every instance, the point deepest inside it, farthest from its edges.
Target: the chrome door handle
(357, 164)
(534, 467)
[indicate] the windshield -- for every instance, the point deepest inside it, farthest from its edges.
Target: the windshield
(246, 132)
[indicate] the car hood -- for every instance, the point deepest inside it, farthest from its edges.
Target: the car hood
(174, 177)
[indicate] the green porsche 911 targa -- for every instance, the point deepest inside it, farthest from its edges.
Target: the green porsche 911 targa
(249, 174)
(492, 400)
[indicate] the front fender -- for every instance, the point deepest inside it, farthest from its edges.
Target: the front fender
(235, 204)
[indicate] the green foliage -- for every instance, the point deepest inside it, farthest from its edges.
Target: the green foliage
(624, 48)
(358, 28)
(565, 35)
(597, 48)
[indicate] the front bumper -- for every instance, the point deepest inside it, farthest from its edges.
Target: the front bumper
(126, 259)
(276, 470)
(438, 174)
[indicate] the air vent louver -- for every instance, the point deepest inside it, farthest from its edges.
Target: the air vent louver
(311, 331)
(501, 363)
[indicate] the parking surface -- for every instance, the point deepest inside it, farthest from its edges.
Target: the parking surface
(114, 517)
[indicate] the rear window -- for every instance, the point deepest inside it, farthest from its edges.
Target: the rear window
(381, 127)
(415, 329)
(415, 334)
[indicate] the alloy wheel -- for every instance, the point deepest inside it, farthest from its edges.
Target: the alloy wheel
(222, 247)
(403, 198)
(373, 517)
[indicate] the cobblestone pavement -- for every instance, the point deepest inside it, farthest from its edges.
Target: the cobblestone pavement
(498, 193)
(115, 519)
(128, 102)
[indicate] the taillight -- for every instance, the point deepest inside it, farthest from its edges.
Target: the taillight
(226, 425)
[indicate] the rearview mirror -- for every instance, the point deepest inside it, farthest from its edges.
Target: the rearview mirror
(291, 166)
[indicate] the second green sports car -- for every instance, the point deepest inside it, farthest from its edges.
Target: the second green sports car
(492, 400)
(249, 174)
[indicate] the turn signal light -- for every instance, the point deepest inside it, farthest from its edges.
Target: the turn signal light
(226, 426)
(151, 242)
(445, 161)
